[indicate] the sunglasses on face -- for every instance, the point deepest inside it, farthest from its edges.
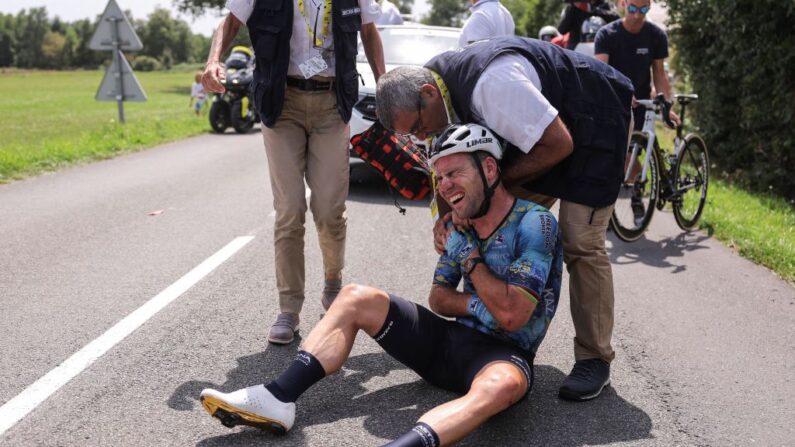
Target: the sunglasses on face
(632, 9)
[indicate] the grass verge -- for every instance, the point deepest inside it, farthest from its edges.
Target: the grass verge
(50, 119)
(759, 227)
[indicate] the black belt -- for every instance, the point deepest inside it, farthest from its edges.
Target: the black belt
(310, 85)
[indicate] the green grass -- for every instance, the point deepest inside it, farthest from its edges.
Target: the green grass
(759, 227)
(50, 119)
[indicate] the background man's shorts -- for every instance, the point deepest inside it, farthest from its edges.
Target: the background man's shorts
(445, 353)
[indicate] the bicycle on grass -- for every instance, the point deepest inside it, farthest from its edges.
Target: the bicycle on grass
(653, 177)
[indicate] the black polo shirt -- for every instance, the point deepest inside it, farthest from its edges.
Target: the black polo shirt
(632, 54)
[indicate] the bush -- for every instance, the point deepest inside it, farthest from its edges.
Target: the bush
(146, 63)
(739, 57)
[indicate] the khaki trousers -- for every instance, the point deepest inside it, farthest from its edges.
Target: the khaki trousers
(584, 231)
(309, 141)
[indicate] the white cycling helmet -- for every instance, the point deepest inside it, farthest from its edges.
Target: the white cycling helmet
(469, 138)
(548, 33)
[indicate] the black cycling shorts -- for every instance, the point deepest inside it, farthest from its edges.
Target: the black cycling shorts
(445, 353)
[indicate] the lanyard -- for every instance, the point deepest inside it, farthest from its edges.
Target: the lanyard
(317, 42)
(451, 116)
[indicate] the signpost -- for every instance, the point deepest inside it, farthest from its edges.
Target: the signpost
(115, 33)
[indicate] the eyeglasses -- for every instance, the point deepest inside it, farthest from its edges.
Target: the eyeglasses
(417, 124)
(632, 9)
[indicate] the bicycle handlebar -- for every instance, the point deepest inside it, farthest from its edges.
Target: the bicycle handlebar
(661, 106)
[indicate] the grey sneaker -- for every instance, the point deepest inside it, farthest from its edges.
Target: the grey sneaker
(284, 329)
(330, 291)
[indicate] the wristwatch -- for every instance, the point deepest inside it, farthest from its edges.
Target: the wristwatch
(471, 263)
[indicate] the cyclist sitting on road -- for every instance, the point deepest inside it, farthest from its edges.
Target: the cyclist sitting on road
(511, 264)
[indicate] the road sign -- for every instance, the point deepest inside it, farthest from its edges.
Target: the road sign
(127, 90)
(103, 38)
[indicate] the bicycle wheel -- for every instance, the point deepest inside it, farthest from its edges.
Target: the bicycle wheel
(692, 180)
(637, 195)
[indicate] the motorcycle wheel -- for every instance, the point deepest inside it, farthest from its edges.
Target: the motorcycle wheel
(219, 116)
(240, 123)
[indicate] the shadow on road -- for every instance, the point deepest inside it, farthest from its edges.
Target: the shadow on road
(660, 253)
(367, 187)
(541, 419)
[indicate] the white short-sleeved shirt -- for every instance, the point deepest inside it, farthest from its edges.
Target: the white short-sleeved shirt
(390, 14)
(507, 99)
(488, 19)
(300, 42)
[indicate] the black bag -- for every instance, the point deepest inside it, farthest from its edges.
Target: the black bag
(399, 161)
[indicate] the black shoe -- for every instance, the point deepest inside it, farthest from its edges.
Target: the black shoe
(586, 380)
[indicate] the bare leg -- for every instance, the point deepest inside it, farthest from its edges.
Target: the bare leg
(496, 387)
(356, 307)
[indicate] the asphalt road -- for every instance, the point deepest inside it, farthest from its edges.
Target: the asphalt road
(705, 340)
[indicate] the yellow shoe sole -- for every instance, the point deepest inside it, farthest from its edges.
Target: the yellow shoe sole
(231, 416)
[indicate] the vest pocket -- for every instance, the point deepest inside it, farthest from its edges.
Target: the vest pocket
(267, 42)
(268, 6)
(349, 27)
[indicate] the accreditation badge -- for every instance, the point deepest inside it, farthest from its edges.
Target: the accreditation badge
(312, 66)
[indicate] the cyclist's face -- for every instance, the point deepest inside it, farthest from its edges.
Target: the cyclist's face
(459, 184)
(635, 10)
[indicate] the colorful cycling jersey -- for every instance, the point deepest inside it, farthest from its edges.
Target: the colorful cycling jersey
(525, 251)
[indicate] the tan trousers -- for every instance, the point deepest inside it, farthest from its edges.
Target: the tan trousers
(584, 231)
(309, 141)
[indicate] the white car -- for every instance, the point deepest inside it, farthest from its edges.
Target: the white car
(407, 44)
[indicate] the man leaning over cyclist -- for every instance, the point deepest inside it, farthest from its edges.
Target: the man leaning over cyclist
(510, 262)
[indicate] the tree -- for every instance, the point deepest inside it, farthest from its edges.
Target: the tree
(539, 13)
(31, 27)
(740, 58)
(6, 40)
(52, 50)
(165, 37)
(198, 7)
(446, 13)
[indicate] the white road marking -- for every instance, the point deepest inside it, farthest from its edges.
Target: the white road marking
(17, 408)
(308, 194)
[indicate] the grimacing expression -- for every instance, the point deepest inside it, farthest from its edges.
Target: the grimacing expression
(459, 184)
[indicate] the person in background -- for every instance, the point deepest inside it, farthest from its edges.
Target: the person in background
(637, 48)
(488, 18)
(547, 33)
(305, 85)
(197, 94)
(576, 12)
(390, 14)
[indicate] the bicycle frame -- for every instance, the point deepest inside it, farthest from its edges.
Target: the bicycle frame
(652, 110)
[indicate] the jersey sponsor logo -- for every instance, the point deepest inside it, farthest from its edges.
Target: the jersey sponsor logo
(386, 331)
(476, 141)
(351, 11)
(642, 51)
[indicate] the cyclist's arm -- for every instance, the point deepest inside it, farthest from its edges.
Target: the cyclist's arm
(661, 83)
(602, 57)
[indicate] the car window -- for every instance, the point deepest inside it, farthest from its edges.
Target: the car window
(412, 46)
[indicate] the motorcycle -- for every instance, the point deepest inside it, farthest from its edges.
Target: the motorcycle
(234, 107)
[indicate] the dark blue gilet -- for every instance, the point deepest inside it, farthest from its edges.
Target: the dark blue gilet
(592, 99)
(271, 26)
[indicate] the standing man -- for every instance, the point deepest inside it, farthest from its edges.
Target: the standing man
(488, 19)
(305, 85)
(633, 45)
(577, 12)
(566, 117)
(510, 265)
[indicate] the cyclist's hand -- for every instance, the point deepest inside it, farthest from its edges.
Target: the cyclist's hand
(674, 118)
(441, 232)
(212, 76)
(461, 225)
